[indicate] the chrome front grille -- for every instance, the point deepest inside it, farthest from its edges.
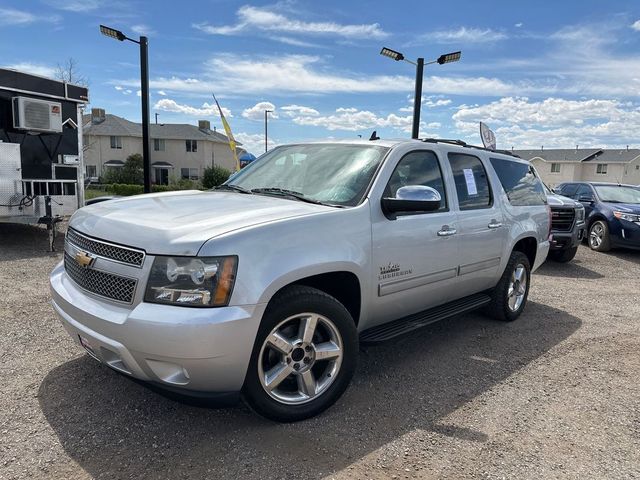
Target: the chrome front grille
(100, 283)
(129, 256)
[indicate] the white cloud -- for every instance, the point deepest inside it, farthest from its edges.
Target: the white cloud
(299, 111)
(434, 103)
(553, 122)
(636, 25)
(265, 19)
(14, 17)
(518, 25)
(309, 74)
(257, 111)
(206, 110)
(294, 42)
(352, 119)
(465, 35)
(34, 68)
(162, 92)
(142, 29)
(76, 5)
(254, 142)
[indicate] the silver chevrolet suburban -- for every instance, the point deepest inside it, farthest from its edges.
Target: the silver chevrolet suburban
(266, 285)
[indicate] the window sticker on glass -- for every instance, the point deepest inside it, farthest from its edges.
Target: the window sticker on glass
(472, 189)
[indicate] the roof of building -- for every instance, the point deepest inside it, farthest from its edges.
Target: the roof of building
(599, 155)
(621, 155)
(559, 154)
(112, 125)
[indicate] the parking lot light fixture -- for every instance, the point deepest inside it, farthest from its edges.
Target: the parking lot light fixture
(419, 63)
(266, 117)
(113, 33)
(144, 94)
(449, 57)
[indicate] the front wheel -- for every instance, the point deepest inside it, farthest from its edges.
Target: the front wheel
(509, 296)
(304, 356)
(599, 236)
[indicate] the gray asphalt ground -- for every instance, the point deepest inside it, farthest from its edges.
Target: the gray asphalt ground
(553, 395)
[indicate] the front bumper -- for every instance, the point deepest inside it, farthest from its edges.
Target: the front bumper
(181, 348)
(565, 240)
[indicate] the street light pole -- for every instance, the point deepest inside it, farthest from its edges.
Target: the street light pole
(417, 98)
(266, 146)
(419, 63)
(144, 93)
(144, 90)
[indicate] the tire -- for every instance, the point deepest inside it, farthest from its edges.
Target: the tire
(563, 256)
(598, 237)
(291, 396)
(502, 304)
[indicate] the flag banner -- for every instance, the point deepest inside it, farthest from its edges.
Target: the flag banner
(227, 130)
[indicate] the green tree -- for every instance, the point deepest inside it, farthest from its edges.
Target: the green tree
(214, 176)
(132, 171)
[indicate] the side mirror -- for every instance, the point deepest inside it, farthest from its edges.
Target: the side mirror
(585, 199)
(412, 198)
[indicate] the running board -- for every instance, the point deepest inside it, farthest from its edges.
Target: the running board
(407, 324)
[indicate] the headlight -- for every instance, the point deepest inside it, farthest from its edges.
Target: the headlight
(192, 281)
(579, 214)
(629, 217)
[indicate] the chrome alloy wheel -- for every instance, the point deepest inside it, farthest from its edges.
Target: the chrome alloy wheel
(300, 358)
(596, 235)
(517, 288)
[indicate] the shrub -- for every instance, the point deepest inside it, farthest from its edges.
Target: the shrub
(214, 176)
(125, 190)
(130, 173)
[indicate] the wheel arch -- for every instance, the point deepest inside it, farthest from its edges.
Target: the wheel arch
(340, 281)
(529, 246)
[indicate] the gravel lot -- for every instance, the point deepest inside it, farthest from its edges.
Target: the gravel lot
(553, 395)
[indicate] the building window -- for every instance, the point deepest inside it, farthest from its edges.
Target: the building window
(637, 167)
(192, 145)
(189, 174)
(601, 168)
(116, 142)
(91, 171)
(555, 168)
(158, 144)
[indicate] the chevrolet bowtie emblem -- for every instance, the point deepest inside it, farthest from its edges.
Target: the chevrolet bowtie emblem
(84, 259)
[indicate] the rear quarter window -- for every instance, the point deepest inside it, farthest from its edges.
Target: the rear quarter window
(520, 182)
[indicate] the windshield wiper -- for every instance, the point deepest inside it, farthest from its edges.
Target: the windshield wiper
(233, 188)
(289, 193)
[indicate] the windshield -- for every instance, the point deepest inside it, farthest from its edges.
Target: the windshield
(328, 173)
(618, 194)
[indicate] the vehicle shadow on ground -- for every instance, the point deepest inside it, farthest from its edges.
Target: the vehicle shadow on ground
(28, 241)
(115, 428)
(627, 255)
(573, 269)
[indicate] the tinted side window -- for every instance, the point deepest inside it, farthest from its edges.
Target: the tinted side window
(520, 182)
(569, 190)
(472, 184)
(583, 191)
(417, 168)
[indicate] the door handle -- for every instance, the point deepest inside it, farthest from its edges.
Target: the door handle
(447, 231)
(494, 224)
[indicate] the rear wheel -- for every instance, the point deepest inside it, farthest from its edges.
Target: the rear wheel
(304, 356)
(509, 296)
(599, 236)
(563, 256)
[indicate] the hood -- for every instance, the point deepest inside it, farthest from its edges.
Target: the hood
(178, 223)
(555, 200)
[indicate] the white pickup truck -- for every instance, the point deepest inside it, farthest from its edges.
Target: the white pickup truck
(265, 286)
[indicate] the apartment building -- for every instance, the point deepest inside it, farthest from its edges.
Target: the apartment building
(177, 150)
(585, 164)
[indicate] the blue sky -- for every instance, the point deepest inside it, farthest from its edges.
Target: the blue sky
(557, 74)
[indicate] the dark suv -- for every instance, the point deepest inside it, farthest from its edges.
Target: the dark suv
(567, 227)
(612, 213)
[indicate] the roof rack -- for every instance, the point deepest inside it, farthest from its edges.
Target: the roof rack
(465, 144)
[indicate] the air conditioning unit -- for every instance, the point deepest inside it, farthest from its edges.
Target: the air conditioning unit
(37, 115)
